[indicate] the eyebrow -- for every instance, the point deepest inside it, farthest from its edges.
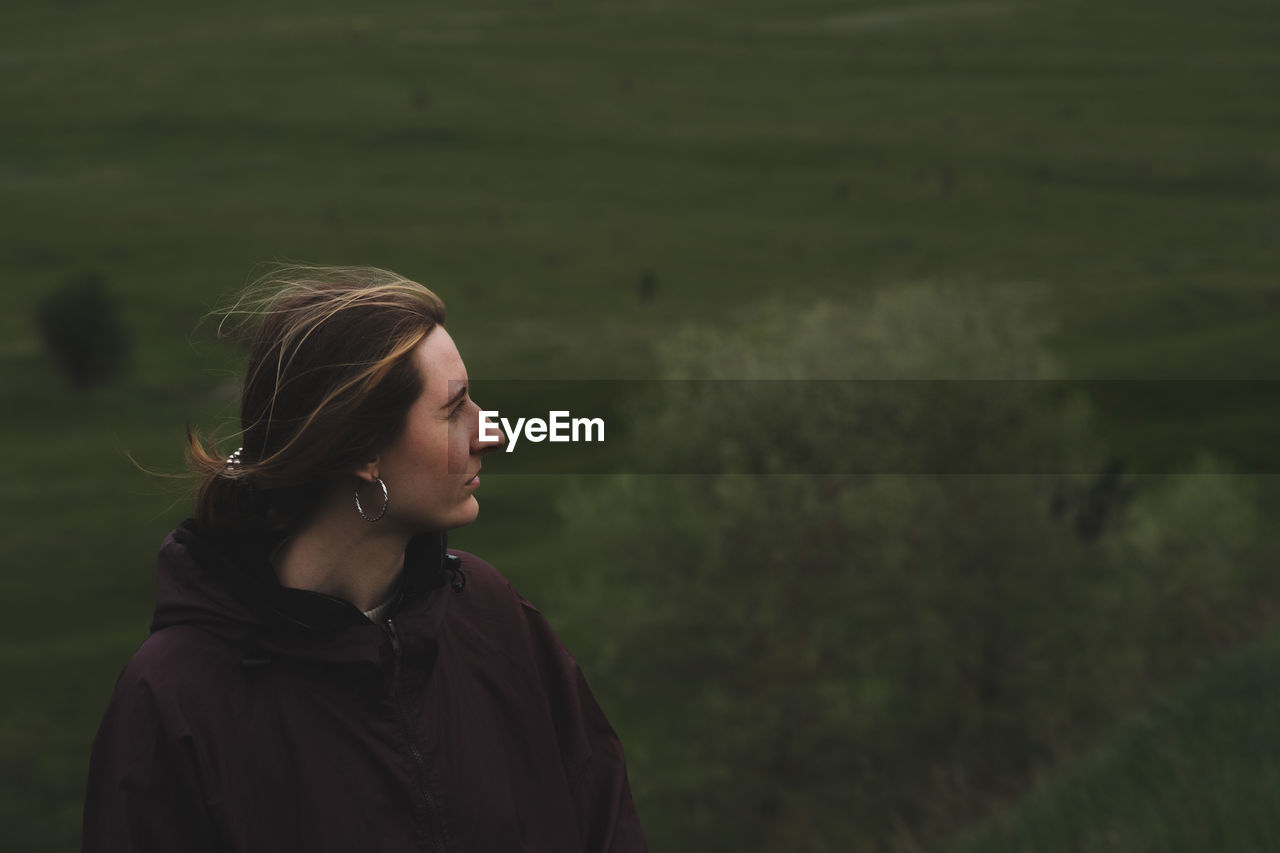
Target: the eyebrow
(462, 392)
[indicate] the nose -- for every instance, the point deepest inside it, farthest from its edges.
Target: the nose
(483, 444)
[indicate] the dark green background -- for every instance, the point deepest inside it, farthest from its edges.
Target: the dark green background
(543, 166)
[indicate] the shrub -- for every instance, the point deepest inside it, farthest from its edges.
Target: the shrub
(837, 662)
(83, 332)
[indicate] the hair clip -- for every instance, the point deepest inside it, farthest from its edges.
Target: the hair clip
(233, 461)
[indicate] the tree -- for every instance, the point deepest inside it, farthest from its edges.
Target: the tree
(83, 332)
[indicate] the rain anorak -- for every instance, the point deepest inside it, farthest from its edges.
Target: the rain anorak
(257, 717)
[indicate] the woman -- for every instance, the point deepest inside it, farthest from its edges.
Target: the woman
(322, 673)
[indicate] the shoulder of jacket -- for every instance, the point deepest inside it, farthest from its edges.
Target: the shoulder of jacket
(176, 660)
(481, 576)
(488, 594)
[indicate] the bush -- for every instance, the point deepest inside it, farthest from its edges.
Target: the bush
(842, 662)
(83, 333)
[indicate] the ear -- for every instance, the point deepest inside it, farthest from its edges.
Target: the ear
(368, 471)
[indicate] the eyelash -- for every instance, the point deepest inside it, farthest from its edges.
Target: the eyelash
(458, 408)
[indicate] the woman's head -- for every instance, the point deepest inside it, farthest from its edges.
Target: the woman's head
(335, 366)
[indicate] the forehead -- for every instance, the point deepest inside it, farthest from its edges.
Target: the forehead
(440, 365)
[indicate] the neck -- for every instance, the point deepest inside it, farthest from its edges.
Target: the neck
(340, 554)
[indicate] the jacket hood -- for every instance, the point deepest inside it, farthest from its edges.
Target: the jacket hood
(225, 585)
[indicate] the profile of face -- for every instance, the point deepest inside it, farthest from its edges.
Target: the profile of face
(432, 470)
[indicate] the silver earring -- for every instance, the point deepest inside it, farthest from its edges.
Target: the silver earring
(386, 501)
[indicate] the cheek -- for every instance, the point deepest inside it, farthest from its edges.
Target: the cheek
(438, 451)
(460, 444)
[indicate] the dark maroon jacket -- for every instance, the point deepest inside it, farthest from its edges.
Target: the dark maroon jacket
(261, 718)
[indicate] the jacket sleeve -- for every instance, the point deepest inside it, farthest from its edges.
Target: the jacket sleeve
(144, 792)
(593, 754)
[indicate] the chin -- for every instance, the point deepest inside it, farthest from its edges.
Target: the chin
(460, 516)
(466, 514)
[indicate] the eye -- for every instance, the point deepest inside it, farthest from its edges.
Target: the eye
(457, 409)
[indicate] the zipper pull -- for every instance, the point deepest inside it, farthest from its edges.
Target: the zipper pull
(453, 564)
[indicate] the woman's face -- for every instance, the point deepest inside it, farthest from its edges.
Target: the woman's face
(431, 470)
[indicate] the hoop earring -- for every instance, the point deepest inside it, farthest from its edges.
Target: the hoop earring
(386, 502)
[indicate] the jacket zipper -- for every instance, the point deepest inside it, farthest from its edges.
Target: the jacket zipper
(433, 818)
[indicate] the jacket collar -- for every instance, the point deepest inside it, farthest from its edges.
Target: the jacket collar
(225, 584)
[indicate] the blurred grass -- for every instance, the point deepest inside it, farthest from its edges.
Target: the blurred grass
(1196, 772)
(535, 163)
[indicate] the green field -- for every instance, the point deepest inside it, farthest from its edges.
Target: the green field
(1196, 772)
(577, 180)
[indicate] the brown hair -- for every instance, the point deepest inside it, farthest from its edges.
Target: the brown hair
(329, 383)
